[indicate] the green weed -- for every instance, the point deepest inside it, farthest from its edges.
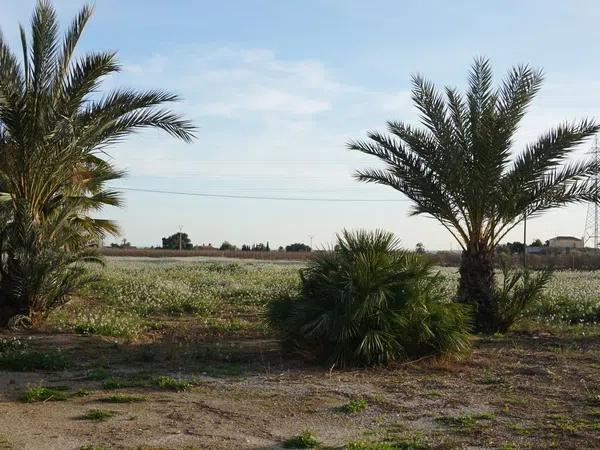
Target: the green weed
(122, 398)
(365, 445)
(98, 414)
(55, 394)
(306, 439)
(170, 383)
(354, 406)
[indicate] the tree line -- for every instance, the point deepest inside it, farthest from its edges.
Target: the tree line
(181, 241)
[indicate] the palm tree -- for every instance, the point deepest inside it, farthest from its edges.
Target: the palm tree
(460, 169)
(54, 130)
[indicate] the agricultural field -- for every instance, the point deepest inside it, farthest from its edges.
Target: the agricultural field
(177, 355)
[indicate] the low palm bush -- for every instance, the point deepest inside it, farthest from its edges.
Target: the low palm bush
(519, 290)
(369, 302)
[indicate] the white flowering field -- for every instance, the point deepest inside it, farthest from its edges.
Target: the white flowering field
(132, 298)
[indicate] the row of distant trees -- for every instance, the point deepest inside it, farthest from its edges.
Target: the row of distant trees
(181, 241)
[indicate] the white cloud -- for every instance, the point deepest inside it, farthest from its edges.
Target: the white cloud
(267, 100)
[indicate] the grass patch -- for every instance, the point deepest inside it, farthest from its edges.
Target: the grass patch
(172, 384)
(98, 374)
(17, 356)
(120, 383)
(98, 415)
(594, 413)
(354, 406)
(162, 382)
(55, 394)
(492, 380)
(122, 398)
(568, 425)
(365, 445)
(306, 439)
(520, 429)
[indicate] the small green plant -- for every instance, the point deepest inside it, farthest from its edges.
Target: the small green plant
(413, 441)
(170, 383)
(55, 394)
(98, 414)
(365, 445)
(306, 439)
(122, 398)
(492, 380)
(520, 429)
(354, 406)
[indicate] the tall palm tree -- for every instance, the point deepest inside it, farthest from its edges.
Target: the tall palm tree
(54, 130)
(460, 169)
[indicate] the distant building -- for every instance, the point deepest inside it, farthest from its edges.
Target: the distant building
(565, 242)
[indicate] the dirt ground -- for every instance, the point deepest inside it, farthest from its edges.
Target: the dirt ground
(513, 392)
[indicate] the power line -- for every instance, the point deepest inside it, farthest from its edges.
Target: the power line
(257, 197)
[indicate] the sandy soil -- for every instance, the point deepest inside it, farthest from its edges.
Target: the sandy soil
(512, 392)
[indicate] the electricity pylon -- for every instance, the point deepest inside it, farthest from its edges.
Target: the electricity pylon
(592, 222)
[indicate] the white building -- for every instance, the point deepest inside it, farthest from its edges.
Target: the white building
(565, 242)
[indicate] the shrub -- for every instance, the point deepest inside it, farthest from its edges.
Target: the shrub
(369, 302)
(519, 290)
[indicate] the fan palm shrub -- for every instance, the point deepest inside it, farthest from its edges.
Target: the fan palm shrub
(369, 302)
(459, 167)
(55, 127)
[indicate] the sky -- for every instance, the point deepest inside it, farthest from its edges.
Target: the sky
(277, 88)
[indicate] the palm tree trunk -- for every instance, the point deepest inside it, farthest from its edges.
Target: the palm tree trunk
(476, 286)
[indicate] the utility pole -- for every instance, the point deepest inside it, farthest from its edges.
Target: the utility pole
(525, 240)
(180, 228)
(592, 222)
(311, 236)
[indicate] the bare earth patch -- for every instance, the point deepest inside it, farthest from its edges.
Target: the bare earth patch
(517, 391)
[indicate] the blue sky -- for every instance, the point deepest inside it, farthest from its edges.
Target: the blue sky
(277, 87)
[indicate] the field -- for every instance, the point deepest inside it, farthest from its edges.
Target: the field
(175, 355)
